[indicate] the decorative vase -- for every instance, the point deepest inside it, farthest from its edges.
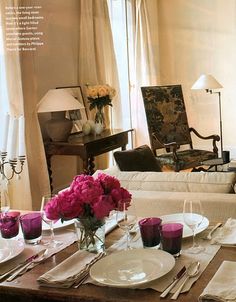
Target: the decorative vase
(91, 234)
(86, 128)
(98, 128)
(99, 116)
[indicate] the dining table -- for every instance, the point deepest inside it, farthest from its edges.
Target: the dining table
(26, 288)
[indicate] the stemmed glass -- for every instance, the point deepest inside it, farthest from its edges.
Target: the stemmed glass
(52, 242)
(126, 218)
(4, 197)
(193, 217)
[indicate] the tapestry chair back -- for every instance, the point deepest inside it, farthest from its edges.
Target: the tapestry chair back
(168, 128)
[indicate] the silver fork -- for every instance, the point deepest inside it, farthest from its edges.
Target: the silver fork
(24, 268)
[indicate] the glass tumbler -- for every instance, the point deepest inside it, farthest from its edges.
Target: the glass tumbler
(171, 238)
(31, 225)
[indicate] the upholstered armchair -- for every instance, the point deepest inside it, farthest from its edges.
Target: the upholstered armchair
(169, 130)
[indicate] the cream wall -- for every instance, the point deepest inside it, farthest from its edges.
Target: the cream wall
(56, 65)
(195, 37)
(200, 37)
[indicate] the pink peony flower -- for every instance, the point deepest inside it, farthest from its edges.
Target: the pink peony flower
(88, 197)
(87, 188)
(108, 182)
(103, 207)
(65, 205)
(119, 195)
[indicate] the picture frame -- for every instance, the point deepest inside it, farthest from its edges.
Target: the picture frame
(79, 116)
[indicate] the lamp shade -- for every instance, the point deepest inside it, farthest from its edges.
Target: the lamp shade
(206, 81)
(58, 100)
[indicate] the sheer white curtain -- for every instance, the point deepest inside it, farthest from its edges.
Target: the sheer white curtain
(138, 60)
(11, 101)
(145, 70)
(20, 85)
(96, 58)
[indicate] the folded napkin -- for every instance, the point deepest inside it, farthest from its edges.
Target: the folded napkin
(110, 224)
(227, 234)
(222, 287)
(70, 270)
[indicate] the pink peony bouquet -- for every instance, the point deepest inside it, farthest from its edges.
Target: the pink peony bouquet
(88, 198)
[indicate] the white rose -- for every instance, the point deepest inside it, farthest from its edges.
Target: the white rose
(103, 91)
(92, 92)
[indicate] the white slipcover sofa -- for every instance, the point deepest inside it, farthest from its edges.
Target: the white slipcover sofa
(163, 193)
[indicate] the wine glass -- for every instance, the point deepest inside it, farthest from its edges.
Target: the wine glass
(193, 217)
(4, 197)
(126, 218)
(52, 242)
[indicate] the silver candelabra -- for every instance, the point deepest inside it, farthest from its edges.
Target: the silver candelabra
(13, 163)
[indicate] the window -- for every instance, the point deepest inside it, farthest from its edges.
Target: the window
(117, 12)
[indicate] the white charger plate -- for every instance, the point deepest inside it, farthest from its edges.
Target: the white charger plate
(187, 232)
(132, 267)
(10, 248)
(57, 225)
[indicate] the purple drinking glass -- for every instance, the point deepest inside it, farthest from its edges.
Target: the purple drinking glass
(150, 231)
(171, 238)
(31, 225)
(9, 224)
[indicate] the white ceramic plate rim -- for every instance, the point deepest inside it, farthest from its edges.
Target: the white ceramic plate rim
(161, 263)
(11, 248)
(57, 225)
(187, 232)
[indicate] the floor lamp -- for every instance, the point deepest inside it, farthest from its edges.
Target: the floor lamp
(208, 82)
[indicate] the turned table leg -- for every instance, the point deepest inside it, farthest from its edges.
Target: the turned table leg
(88, 166)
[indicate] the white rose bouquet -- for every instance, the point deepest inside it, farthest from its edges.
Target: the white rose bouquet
(100, 96)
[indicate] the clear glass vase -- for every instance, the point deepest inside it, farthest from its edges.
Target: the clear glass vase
(91, 237)
(100, 117)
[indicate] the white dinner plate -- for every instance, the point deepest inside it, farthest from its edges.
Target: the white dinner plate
(10, 248)
(187, 232)
(58, 224)
(132, 267)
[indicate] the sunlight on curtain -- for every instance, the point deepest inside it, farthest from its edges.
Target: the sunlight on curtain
(96, 58)
(4, 104)
(117, 12)
(11, 100)
(135, 35)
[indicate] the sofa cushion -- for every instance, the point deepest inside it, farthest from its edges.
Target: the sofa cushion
(210, 182)
(138, 159)
(216, 207)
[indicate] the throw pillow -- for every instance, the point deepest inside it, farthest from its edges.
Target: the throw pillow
(138, 159)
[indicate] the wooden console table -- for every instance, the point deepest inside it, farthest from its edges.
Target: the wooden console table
(87, 147)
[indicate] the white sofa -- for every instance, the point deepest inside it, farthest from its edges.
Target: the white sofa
(162, 193)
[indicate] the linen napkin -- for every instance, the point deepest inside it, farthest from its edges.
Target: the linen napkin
(110, 224)
(70, 270)
(227, 234)
(222, 287)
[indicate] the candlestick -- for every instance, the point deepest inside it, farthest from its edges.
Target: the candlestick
(13, 139)
(5, 133)
(15, 164)
(21, 143)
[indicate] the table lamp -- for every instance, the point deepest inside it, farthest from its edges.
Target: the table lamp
(208, 82)
(58, 101)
